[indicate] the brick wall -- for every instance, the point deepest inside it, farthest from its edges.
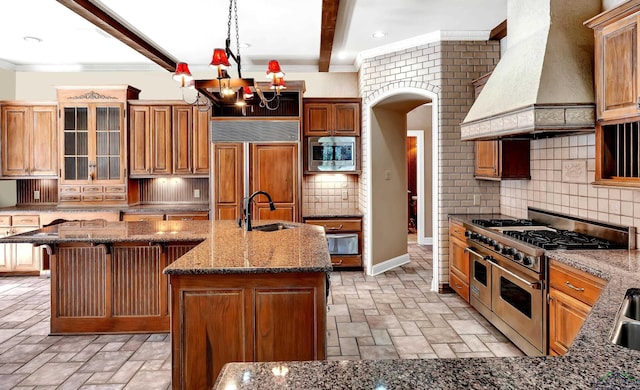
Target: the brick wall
(445, 70)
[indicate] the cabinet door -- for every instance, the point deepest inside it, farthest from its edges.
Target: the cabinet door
(182, 140)
(346, 119)
(274, 169)
(26, 257)
(228, 179)
(75, 141)
(201, 141)
(139, 140)
(107, 143)
(44, 141)
(617, 66)
(566, 316)
(487, 159)
(459, 258)
(15, 141)
(317, 119)
(161, 140)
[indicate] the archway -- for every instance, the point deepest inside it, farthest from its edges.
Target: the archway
(384, 185)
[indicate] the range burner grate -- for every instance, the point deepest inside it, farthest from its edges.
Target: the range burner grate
(562, 239)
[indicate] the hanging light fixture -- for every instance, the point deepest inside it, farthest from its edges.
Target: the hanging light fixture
(222, 90)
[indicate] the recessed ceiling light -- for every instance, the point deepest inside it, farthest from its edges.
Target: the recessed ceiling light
(32, 39)
(244, 45)
(379, 34)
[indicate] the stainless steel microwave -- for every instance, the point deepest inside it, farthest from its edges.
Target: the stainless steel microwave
(331, 154)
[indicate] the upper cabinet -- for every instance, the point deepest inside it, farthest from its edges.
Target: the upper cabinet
(92, 132)
(331, 117)
(168, 139)
(617, 82)
(617, 86)
(29, 140)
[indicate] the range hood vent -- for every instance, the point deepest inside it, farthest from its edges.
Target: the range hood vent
(543, 85)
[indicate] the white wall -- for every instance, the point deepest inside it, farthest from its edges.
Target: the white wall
(7, 84)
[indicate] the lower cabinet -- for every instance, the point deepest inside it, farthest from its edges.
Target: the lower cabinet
(187, 216)
(572, 293)
(224, 318)
(344, 237)
(19, 258)
(458, 260)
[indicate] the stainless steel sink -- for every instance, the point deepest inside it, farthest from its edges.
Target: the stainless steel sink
(626, 331)
(272, 227)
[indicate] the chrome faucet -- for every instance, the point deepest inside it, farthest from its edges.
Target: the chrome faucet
(245, 209)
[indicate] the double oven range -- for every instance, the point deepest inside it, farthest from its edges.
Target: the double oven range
(509, 269)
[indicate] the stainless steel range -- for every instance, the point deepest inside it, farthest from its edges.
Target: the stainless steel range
(508, 267)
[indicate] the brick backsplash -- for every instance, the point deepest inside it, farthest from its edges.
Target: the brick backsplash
(562, 170)
(445, 69)
(325, 191)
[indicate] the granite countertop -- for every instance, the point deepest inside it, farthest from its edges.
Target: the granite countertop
(150, 208)
(333, 213)
(591, 362)
(223, 248)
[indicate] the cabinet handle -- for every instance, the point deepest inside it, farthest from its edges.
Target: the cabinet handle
(333, 227)
(338, 263)
(458, 286)
(456, 231)
(573, 287)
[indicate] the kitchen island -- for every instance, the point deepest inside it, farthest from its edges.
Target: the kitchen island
(592, 361)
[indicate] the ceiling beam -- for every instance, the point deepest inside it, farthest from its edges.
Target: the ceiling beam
(327, 32)
(119, 30)
(499, 31)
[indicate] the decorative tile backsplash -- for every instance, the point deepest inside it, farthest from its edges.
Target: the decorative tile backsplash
(327, 191)
(562, 170)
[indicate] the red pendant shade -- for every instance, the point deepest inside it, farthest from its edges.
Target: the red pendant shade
(182, 73)
(220, 59)
(248, 94)
(274, 71)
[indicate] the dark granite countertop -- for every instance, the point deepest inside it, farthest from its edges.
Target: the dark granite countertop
(224, 247)
(591, 362)
(333, 213)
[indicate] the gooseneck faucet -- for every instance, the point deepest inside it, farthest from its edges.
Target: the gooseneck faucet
(245, 209)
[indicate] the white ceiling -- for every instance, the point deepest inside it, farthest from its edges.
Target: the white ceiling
(189, 30)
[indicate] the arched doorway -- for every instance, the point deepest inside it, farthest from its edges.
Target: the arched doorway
(385, 182)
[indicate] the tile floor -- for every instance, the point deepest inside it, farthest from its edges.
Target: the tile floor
(393, 315)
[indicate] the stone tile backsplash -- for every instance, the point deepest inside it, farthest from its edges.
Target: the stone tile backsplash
(562, 170)
(327, 191)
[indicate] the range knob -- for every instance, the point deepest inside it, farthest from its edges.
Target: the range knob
(529, 261)
(493, 242)
(506, 250)
(498, 247)
(518, 256)
(467, 233)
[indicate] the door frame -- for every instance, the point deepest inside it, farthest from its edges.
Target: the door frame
(420, 189)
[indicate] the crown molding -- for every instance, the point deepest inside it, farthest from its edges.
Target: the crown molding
(7, 65)
(436, 36)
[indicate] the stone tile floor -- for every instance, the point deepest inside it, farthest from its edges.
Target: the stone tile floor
(393, 315)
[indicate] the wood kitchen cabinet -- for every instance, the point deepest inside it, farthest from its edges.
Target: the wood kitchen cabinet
(458, 260)
(172, 216)
(342, 228)
(19, 258)
(572, 293)
(503, 159)
(331, 117)
(273, 167)
(92, 132)
(167, 138)
(29, 140)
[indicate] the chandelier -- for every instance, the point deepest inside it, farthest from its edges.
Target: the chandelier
(224, 90)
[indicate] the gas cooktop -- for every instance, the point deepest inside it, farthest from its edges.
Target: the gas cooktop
(562, 239)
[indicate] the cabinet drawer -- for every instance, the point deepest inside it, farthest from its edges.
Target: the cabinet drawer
(346, 261)
(92, 198)
(115, 196)
(460, 287)
(69, 189)
(575, 283)
(93, 189)
(457, 230)
(5, 220)
(188, 217)
(112, 189)
(26, 220)
(69, 198)
(337, 225)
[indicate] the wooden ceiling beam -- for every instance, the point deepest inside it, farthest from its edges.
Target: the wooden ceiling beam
(119, 30)
(327, 32)
(499, 31)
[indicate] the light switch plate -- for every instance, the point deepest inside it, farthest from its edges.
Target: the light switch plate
(345, 194)
(36, 195)
(196, 193)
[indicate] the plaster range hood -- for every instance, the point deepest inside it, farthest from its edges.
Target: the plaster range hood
(543, 85)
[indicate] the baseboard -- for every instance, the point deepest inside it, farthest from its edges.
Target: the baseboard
(425, 241)
(385, 266)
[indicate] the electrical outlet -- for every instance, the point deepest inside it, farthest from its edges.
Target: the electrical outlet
(36, 195)
(345, 194)
(476, 200)
(196, 193)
